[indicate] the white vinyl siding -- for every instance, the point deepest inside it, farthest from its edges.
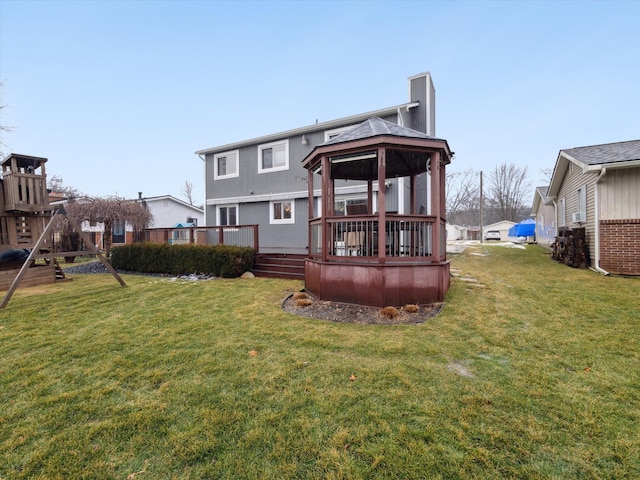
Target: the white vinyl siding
(273, 157)
(225, 165)
(620, 194)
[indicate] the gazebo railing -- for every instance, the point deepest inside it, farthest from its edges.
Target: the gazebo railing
(406, 236)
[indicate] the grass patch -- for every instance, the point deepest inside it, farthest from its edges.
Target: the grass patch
(532, 376)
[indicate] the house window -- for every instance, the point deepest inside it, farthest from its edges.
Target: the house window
(562, 212)
(225, 165)
(343, 206)
(227, 215)
(582, 203)
(273, 157)
(283, 212)
(117, 232)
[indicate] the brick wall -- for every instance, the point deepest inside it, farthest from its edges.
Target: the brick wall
(620, 246)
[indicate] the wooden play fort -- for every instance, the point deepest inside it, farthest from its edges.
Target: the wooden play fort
(26, 227)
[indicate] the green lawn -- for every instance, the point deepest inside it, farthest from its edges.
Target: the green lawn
(534, 373)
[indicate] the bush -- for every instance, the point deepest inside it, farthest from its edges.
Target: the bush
(219, 260)
(412, 308)
(390, 312)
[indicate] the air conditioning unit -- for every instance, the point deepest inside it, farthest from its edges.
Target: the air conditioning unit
(577, 217)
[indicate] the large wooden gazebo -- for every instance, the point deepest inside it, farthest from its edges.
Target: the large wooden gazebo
(372, 256)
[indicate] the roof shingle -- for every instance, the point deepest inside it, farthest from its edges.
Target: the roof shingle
(607, 153)
(375, 126)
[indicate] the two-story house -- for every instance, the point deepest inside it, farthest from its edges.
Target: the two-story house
(261, 181)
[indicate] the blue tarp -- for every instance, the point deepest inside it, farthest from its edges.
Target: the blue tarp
(526, 228)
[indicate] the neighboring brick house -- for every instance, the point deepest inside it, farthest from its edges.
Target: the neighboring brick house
(598, 187)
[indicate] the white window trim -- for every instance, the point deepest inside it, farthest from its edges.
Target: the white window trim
(562, 214)
(236, 155)
(282, 221)
(271, 145)
(329, 134)
(218, 207)
(582, 201)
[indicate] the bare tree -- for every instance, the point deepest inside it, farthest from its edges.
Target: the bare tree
(108, 211)
(462, 194)
(547, 173)
(187, 191)
(55, 183)
(508, 188)
(3, 128)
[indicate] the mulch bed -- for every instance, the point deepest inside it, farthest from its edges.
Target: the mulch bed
(350, 313)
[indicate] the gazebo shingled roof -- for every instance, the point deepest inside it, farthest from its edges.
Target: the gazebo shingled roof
(376, 126)
(405, 157)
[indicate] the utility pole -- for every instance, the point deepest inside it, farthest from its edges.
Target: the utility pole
(481, 202)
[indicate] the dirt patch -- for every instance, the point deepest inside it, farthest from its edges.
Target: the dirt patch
(350, 313)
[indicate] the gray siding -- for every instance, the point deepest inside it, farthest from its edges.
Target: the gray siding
(290, 238)
(249, 180)
(421, 90)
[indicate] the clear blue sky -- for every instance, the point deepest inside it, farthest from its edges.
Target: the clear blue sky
(119, 95)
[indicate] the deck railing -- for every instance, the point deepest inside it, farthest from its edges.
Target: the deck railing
(238, 235)
(25, 192)
(406, 236)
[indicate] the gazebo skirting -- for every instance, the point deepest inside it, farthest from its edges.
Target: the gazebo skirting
(377, 285)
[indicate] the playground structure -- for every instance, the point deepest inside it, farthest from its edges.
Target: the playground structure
(26, 228)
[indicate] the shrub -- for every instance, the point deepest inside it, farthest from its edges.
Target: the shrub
(299, 295)
(390, 312)
(411, 308)
(219, 260)
(303, 302)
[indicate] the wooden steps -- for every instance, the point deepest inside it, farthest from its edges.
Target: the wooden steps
(280, 265)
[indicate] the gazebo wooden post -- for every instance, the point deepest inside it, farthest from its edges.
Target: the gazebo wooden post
(413, 194)
(382, 205)
(310, 211)
(327, 198)
(310, 193)
(436, 202)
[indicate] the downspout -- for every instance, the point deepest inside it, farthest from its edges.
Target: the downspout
(596, 265)
(204, 201)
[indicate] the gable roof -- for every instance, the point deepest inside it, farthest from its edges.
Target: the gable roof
(606, 154)
(173, 199)
(502, 224)
(340, 122)
(540, 195)
(375, 126)
(594, 158)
